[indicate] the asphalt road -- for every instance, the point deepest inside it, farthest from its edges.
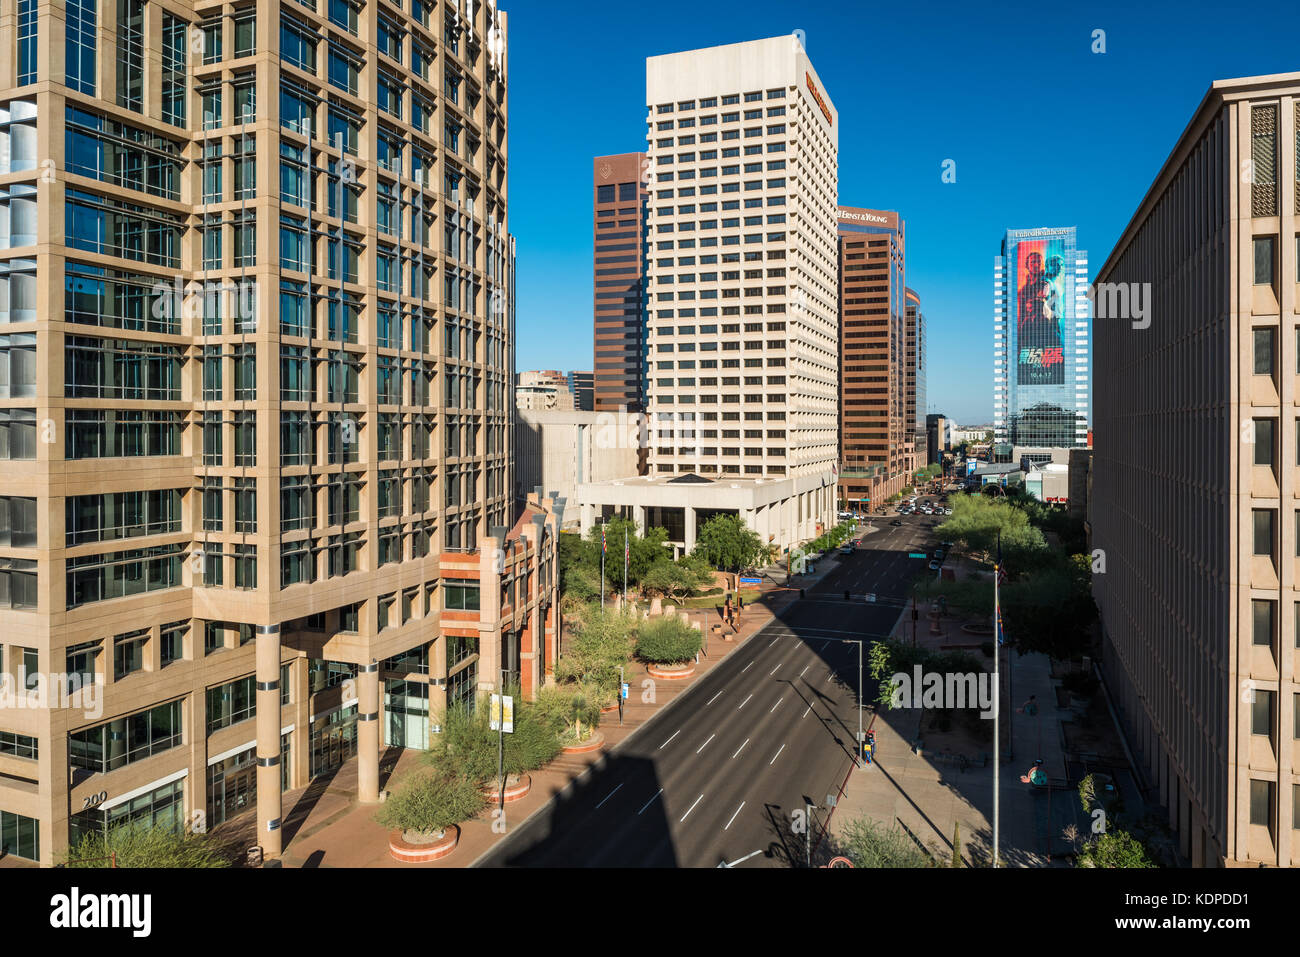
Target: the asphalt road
(720, 772)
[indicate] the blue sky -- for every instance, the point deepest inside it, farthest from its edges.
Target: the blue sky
(1044, 132)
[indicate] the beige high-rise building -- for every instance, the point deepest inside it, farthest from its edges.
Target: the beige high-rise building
(1195, 488)
(256, 344)
(741, 319)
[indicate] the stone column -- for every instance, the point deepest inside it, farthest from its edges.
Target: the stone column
(690, 527)
(368, 733)
(267, 651)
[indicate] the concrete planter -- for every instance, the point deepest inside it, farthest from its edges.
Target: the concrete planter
(670, 672)
(514, 791)
(594, 743)
(412, 847)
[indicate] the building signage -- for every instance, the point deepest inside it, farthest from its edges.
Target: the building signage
(864, 217)
(812, 87)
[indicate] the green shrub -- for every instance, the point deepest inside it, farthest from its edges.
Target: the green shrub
(468, 746)
(430, 801)
(1115, 849)
(570, 712)
(667, 640)
(601, 644)
(141, 845)
(868, 843)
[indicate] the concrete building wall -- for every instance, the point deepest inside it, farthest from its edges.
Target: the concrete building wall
(1199, 601)
(561, 450)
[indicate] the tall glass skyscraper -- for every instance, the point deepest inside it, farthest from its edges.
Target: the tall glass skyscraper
(1040, 341)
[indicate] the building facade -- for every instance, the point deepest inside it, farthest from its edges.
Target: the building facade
(1199, 604)
(619, 205)
(582, 385)
(257, 397)
(938, 438)
(917, 349)
(1040, 341)
(559, 451)
(541, 390)
(877, 419)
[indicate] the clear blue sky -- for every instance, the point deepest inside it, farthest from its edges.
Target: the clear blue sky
(1043, 131)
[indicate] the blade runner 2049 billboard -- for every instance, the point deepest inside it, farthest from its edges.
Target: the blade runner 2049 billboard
(1040, 311)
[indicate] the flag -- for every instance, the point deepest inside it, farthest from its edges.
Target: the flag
(627, 551)
(603, 549)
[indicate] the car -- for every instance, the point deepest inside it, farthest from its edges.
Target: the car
(847, 550)
(895, 522)
(945, 545)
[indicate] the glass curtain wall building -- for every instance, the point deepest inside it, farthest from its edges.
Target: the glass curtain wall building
(1041, 334)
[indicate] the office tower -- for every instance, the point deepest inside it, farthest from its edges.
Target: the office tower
(916, 355)
(877, 407)
(938, 438)
(256, 352)
(582, 385)
(1040, 341)
(618, 223)
(741, 326)
(1194, 477)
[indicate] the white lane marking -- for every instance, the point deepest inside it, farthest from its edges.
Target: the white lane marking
(824, 644)
(739, 749)
(675, 734)
(733, 817)
(774, 670)
(745, 702)
(774, 641)
(651, 801)
(805, 668)
(705, 744)
(746, 668)
(829, 677)
(713, 699)
(609, 795)
(777, 705)
(775, 756)
(805, 712)
(692, 807)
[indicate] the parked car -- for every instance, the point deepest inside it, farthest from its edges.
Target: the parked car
(895, 522)
(846, 550)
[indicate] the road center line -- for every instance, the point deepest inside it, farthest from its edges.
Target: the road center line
(739, 749)
(651, 801)
(692, 807)
(675, 734)
(745, 702)
(705, 744)
(609, 795)
(733, 817)
(775, 756)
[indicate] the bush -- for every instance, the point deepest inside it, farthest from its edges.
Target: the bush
(431, 801)
(868, 843)
(667, 640)
(1115, 849)
(468, 746)
(602, 643)
(141, 845)
(570, 712)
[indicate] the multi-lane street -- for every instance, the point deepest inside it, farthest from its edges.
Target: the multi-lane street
(719, 773)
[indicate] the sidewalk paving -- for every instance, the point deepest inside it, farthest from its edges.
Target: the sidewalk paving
(927, 794)
(327, 826)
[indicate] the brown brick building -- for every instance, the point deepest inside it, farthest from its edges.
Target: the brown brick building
(618, 218)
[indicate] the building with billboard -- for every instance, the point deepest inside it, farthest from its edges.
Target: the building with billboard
(877, 380)
(1041, 335)
(618, 223)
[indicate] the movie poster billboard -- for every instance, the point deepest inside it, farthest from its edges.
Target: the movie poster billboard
(1040, 311)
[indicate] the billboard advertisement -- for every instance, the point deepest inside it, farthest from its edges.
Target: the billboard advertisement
(1040, 284)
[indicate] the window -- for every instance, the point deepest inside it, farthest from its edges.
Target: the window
(17, 522)
(1263, 621)
(27, 42)
(1265, 350)
(1261, 713)
(18, 586)
(115, 574)
(123, 741)
(20, 836)
(460, 597)
(81, 45)
(175, 40)
(1265, 440)
(1263, 522)
(1265, 260)
(245, 35)
(128, 653)
(1261, 803)
(231, 703)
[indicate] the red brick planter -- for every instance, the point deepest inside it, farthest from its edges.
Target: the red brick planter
(408, 853)
(656, 671)
(594, 743)
(513, 792)
(609, 708)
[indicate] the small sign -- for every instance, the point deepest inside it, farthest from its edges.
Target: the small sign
(871, 596)
(751, 581)
(502, 703)
(916, 555)
(623, 691)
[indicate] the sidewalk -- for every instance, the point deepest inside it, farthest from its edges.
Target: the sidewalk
(927, 794)
(328, 827)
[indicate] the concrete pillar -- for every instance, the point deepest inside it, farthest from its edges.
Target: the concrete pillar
(368, 733)
(690, 527)
(586, 518)
(638, 516)
(267, 652)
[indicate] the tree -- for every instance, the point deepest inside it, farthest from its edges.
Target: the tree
(602, 641)
(956, 844)
(727, 544)
(644, 551)
(468, 745)
(138, 844)
(430, 801)
(678, 579)
(566, 708)
(977, 521)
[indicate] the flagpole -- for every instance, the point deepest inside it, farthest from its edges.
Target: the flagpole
(997, 695)
(602, 565)
(625, 557)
